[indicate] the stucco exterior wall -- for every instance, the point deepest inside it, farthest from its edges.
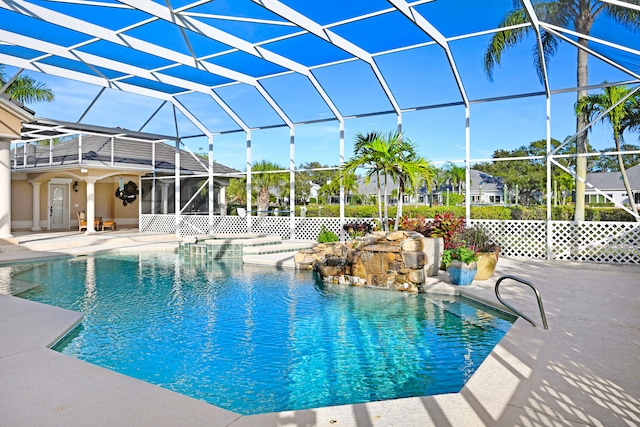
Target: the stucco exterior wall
(107, 205)
(21, 198)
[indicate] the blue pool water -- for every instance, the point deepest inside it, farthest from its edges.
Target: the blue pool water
(257, 339)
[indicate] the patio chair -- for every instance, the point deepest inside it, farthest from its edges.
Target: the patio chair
(109, 224)
(82, 221)
(242, 212)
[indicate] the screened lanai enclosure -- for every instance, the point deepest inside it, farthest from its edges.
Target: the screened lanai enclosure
(292, 82)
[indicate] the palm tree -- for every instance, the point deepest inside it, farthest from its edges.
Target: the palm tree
(236, 193)
(264, 180)
(365, 154)
(580, 13)
(457, 175)
(348, 181)
(440, 177)
(388, 156)
(596, 104)
(408, 169)
(25, 89)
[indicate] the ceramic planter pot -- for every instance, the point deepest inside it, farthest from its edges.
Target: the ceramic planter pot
(486, 265)
(461, 273)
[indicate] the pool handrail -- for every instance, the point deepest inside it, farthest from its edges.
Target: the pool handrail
(517, 279)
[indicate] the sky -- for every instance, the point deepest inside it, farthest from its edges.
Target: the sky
(439, 133)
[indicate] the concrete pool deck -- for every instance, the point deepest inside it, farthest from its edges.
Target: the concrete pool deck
(582, 371)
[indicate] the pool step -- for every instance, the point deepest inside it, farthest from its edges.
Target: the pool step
(281, 255)
(12, 248)
(288, 246)
(198, 250)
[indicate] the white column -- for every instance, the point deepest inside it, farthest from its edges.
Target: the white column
(153, 186)
(467, 156)
(176, 203)
(222, 200)
(164, 197)
(292, 185)
(343, 234)
(91, 205)
(5, 189)
(211, 186)
(249, 181)
(35, 205)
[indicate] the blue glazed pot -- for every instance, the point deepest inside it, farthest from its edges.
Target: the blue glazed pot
(462, 273)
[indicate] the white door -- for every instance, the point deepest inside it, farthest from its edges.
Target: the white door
(58, 207)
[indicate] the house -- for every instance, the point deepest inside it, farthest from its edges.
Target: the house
(60, 168)
(485, 189)
(12, 115)
(610, 183)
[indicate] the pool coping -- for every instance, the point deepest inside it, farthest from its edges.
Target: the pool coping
(43, 387)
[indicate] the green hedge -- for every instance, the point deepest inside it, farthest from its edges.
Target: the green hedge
(559, 213)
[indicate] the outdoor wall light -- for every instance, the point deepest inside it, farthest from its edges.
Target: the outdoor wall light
(83, 170)
(75, 186)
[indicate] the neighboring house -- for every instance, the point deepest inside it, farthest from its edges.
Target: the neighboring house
(82, 168)
(610, 183)
(485, 189)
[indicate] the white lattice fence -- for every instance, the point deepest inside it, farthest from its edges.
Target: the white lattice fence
(604, 242)
(165, 224)
(309, 228)
(229, 225)
(278, 225)
(517, 239)
(193, 225)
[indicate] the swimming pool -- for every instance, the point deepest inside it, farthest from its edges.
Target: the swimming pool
(257, 339)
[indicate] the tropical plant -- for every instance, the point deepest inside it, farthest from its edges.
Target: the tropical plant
(236, 192)
(347, 180)
(368, 152)
(417, 223)
(619, 104)
(581, 13)
(264, 178)
(389, 156)
(440, 178)
(25, 89)
(477, 238)
(408, 170)
(457, 175)
(357, 229)
(327, 236)
(460, 253)
(447, 225)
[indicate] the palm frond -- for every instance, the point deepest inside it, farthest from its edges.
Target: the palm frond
(505, 39)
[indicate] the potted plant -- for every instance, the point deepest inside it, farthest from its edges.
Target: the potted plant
(461, 264)
(477, 238)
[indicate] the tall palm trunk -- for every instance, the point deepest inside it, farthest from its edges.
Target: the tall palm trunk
(581, 121)
(263, 201)
(625, 179)
(380, 202)
(399, 210)
(386, 205)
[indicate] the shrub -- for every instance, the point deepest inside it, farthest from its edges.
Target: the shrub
(461, 253)
(417, 223)
(355, 229)
(490, 212)
(477, 239)
(447, 225)
(327, 236)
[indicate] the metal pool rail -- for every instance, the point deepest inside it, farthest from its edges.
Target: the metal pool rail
(517, 279)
